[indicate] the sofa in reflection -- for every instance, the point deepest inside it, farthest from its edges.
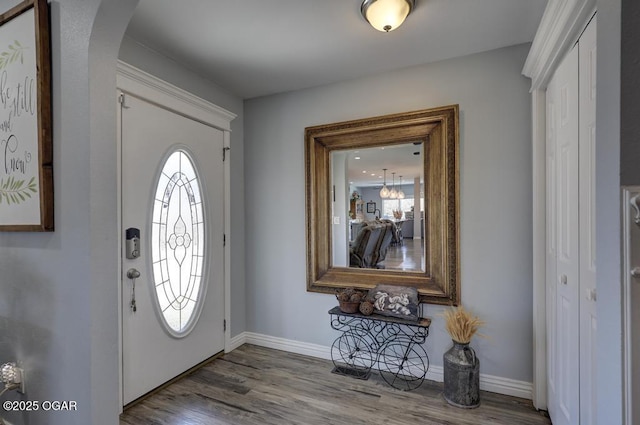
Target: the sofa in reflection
(369, 249)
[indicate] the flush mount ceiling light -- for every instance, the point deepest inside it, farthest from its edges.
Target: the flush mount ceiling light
(386, 15)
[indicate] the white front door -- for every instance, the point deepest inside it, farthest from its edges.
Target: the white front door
(172, 192)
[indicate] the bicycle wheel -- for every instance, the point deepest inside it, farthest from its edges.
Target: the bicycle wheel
(351, 355)
(403, 365)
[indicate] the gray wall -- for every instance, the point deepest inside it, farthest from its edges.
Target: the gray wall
(58, 310)
(172, 72)
(630, 111)
(608, 225)
(495, 213)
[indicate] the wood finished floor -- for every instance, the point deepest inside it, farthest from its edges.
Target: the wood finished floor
(407, 256)
(259, 386)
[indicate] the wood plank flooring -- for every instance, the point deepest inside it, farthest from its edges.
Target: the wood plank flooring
(408, 257)
(259, 386)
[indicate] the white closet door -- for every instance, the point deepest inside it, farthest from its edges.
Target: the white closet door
(587, 81)
(551, 241)
(564, 391)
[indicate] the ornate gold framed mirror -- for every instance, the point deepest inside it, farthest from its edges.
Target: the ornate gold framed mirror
(330, 148)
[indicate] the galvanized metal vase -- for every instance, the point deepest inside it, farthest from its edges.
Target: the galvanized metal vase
(461, 376)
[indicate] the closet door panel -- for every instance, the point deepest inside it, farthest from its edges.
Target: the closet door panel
(564, 396)
(551, 239)
(588, 319)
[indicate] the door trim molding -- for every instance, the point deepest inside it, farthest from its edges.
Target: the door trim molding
(627, 337)
(226, 164)
(539, 239)
(139, 83)
(135, 82)
(561, 25)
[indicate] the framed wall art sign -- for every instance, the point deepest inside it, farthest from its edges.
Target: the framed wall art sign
(371, 207)
(26, 169)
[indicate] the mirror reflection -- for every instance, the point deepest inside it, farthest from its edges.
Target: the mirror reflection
(378, 207)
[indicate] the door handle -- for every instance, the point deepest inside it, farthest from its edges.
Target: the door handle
(563, 279)
(133, 273)
(635, 272)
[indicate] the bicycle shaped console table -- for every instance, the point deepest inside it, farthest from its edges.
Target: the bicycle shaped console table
(393, 345)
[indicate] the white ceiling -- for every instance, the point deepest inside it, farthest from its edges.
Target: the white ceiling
(365, 166)
(260, 47)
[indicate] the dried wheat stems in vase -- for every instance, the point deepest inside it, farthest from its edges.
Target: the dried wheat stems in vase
(461, 325)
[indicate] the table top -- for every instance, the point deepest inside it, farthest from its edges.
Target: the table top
(422, 321)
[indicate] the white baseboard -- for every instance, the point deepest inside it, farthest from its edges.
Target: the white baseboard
(491, 383)
(304, 348)
(236, 342)
(506, 386)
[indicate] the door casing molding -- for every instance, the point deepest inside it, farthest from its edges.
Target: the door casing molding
(627, 282)
(562, 23)
(560, 28)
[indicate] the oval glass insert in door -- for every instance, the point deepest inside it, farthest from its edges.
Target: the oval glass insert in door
(178, 243)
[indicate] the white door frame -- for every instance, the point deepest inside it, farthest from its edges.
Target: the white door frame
(628, 280)
(134, 81)
(560, 28)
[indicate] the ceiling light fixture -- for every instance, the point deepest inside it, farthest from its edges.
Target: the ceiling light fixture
(384, 192)
(400, 192)
(393, 194)
(386, 15)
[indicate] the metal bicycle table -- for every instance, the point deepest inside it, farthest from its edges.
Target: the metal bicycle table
(392, 345)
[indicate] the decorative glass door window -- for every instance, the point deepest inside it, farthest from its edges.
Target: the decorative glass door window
(178, 243)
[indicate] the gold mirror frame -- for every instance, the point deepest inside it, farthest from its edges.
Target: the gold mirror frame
(438, 130)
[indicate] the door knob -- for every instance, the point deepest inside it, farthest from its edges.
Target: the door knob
(563, 279)
(133, 274)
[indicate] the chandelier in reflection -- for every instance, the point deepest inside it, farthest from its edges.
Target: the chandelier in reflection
(393, 194)
(384, 192)
(400, 192)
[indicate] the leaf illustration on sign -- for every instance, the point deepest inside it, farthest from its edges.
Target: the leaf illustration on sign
(15, 191)
(15, 52)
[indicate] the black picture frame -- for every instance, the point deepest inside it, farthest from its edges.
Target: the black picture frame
(371, 207)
